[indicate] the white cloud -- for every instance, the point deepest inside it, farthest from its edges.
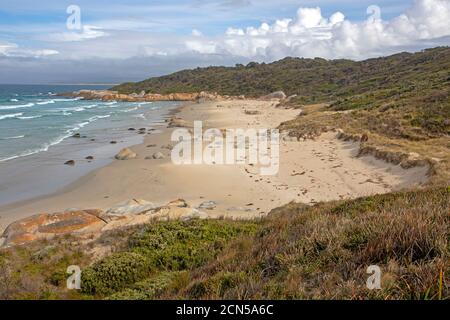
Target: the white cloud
(13, 50)
(143, 42)
(87, 32)
(310, 34)
(196, 33)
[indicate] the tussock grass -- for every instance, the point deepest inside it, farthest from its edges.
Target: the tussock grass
(323, 252)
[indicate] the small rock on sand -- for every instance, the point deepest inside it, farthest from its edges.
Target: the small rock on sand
(209, 205)
(167, 146)
(181, 203)
(126, 154)
(158, 155)
(178, 122)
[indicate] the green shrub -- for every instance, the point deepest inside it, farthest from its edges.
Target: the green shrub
(148, 288)
(179, 245)
(114, 273)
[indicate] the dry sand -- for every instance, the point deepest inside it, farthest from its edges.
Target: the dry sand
(310, 171)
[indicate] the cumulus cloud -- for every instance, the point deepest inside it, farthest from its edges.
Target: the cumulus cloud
(132, 48)
(310, 34)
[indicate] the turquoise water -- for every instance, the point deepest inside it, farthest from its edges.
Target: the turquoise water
(36, 129)
(33, 119)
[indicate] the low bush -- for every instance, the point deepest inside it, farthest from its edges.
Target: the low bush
(114, 273)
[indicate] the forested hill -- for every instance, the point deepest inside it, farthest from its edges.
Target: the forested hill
(313, 79)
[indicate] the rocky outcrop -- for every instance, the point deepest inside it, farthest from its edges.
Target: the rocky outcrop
(126, 154)
(134, 206)
(47, 226)
(90, 224)
(109, 95)
(177, 210)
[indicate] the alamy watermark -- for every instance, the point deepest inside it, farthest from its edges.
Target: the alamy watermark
(230, 146)
(374, 280)
(73, 21)
(74, 280)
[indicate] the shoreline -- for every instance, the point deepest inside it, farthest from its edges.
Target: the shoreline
(78, 182)
(45, 172)
(310, 171)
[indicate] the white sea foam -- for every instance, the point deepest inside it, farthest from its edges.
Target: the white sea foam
(17, 106)
(44, 148)
(12, 115)
(53, 142)
(141, 115)
(13, 100)
(94, 118)
(68, 100)
(46, 102)
(74, 109)
(129, 110)
(29, 117)
(15, 137)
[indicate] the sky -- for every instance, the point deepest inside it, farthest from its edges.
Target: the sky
(100, 41)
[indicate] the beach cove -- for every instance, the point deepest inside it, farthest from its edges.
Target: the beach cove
(310, 171)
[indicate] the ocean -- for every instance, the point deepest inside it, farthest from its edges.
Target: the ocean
(36, 129)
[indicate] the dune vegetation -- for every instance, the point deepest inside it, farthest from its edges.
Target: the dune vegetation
(296, 252)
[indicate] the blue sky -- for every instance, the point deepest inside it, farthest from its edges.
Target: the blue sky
(131, 40)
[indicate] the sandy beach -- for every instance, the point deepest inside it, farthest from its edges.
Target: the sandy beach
(310, 171)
